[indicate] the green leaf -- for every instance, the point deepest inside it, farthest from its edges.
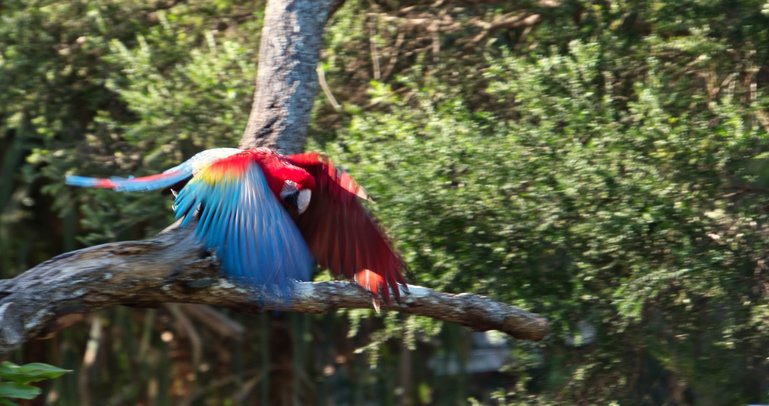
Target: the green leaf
(7, 402)
(32, 372)
(15, 390)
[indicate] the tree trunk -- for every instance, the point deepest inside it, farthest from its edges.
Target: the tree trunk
(286, 85)
(286, 82)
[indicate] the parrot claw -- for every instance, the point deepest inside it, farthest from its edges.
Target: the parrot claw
(375, 302)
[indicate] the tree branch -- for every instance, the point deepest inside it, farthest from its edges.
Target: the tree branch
(172, 267)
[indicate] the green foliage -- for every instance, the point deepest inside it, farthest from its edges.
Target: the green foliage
(171, 91)
(15, 380)
(93, 85)
(587, 199)
(181, 98)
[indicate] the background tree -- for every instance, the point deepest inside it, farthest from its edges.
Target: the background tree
(602, 163)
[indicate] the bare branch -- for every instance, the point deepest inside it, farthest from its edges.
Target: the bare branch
(327, 89)
(373, 50)
(215, 320)
(510, 20)
(394, 56)
(411, 19)
(172, 268)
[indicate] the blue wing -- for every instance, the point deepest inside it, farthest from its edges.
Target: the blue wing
(256, 241)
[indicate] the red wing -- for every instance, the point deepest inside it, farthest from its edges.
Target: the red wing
(342, 235)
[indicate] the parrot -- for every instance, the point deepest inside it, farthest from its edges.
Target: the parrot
(270, 217)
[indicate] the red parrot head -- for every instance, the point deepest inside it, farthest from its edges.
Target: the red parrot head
(291, 184)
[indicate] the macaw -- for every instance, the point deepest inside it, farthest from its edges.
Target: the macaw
(268, 217)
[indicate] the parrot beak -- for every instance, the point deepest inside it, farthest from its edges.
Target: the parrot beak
(295, 198)
(303, 200)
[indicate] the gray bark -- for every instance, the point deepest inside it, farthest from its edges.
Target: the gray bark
(286, 83)
(173, 268)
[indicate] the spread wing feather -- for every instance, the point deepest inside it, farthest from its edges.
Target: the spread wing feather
(242, 221)
(342, 235)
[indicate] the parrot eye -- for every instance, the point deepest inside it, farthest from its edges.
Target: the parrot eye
(295, 198)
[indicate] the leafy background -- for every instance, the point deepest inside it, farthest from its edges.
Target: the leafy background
(603, 163)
